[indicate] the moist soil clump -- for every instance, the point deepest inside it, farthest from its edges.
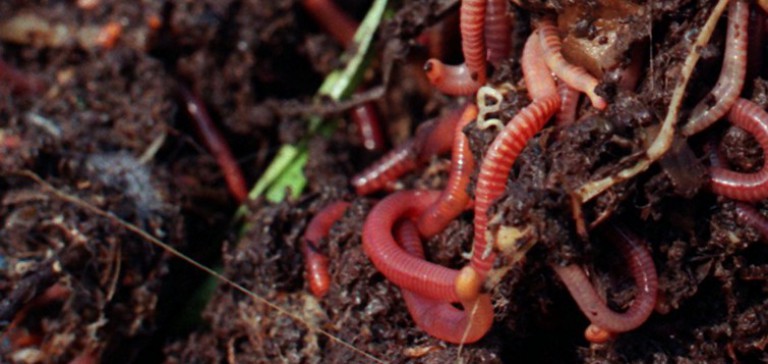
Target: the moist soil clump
(97, 144)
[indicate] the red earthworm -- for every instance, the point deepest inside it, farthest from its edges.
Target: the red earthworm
(494, 171)
(216, 144)
(744, 186)
(404, 270)
(433, 137)
(575, 76)
(368, 126)
(339, 25)
(641, 268)
(384, 172)
(569, 100)
(454, 198)
(497, 31)
(471, 23)
(451, 80)
(731, 81)
(19, 82)
(538, 77)
(315, 262)
(750, 216)
(438, 318)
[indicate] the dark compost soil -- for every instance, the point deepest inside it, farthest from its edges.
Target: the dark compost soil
(109, 129)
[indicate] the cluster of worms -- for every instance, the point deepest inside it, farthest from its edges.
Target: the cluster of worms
(394, 229)
(396, 226)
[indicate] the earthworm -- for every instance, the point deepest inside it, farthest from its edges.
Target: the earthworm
(641, 268)
(433, 137)
(384, 172)
(436, 137)
(575, 76)
(315, 262)
(438, 318)
(497, 31)
(569, 100)
(339, 25)
(494, 171)
(748, 215)
(454, 197)
(451, 80)
(471, 24)
(401, 268)
(368, 126)
(731, 81)
(216, 144)
(538, 77)
(744, 186)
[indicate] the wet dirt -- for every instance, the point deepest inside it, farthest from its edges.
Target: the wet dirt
(109, 129)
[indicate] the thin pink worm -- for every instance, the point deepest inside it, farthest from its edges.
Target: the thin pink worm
(433, 137)
(438, 318)
(575, 76)
(454, 198)
(315, 262)
(744, 186)
(498, 32)
(495, 168)
(748, 215)
(641, 268)
(401, 268)
(384, 172)
(436, 137)
(368, 126)
(569, 100)
(451, 80)
(537, 76)
(216, 144)
(731, 80)
(471, 24)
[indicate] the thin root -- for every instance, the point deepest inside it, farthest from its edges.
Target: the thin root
(663, 140)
